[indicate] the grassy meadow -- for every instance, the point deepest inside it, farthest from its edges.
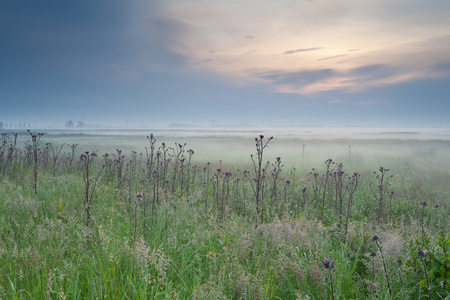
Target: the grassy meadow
(309, 214)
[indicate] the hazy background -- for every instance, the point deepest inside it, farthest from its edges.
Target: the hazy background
(202, 63)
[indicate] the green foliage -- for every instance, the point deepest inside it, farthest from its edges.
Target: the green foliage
(201, 242)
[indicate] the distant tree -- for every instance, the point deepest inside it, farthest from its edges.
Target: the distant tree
(1, 125)
(69, 124)
(80, 124)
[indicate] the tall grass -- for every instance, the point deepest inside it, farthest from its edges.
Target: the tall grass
(71, 241)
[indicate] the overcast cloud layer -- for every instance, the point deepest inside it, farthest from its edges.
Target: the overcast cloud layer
(322, 62)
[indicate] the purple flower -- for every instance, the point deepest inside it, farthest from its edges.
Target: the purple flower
(436, 206)
(175, 207)
(166, 181)
(421, 253)
(373, 254)
(245, 171)
(355, 174)
(288, 182)
(219, 170)
(304, 189)
(139, 196)
(375, 238)
(261, 136)
(424, 203)
(328, 264)
(228, 173)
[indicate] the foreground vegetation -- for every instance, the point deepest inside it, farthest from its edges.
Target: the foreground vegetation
(77, 224)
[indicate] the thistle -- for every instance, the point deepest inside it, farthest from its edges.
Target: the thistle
(329, 265)
(377, 241)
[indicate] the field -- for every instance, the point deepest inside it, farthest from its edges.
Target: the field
(230, 214)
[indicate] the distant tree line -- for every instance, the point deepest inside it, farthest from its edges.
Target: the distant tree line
(70, 124)
(11, 125)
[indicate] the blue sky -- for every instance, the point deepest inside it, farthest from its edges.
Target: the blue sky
(285, 62)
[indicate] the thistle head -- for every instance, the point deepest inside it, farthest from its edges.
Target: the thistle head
(328, 264)
(421, 253)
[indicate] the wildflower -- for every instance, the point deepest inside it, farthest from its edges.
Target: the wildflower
(424, 203)
(436, 206)
(261, 136)
(355, 174)
(139, 196)
(219, 170)
(175, 207)
(304, 189)
(399, 262)
(288, 182)
(375, 238)
(421, 253)
(373, 254)
(328, 264)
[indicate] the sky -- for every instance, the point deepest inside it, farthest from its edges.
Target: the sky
(381, 63)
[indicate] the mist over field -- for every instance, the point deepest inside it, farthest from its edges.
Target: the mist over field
(402, 149)
(295, 146)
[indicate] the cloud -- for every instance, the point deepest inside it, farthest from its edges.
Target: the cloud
(302, 50)
(335, 101)
(331, 57)
(383, 43)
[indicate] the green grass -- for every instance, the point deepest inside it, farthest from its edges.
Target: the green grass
(194, 251)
